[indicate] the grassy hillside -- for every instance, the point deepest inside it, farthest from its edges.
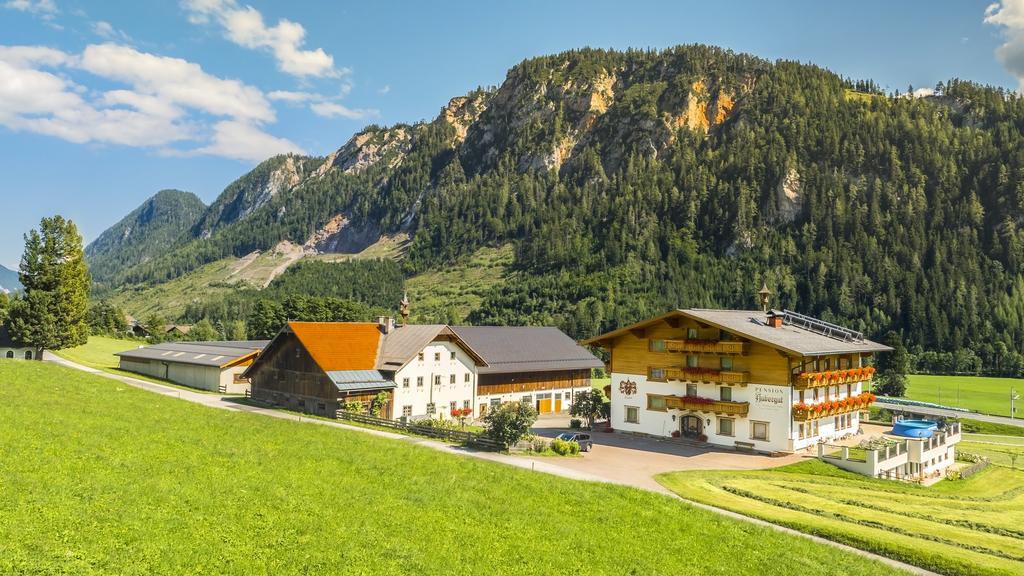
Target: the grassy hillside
(453, 292)
(100, 478)
(970, 527)
(978, 393)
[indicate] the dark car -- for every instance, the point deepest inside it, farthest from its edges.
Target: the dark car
(580, 438)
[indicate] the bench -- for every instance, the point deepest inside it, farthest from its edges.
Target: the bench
(748, 446)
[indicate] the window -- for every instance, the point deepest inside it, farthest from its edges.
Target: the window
(437, 380)
(828, 364)
(465, 404)
(421, 357)
(466, 377)
(691, 389)
(837, 423)
(405, 382)
(726, 362)
(451, 378)
(419, 381)
(815, 428)
(725, 394)
(28, 354)
(849, 390)
(431, 409)
(527, 399)
(495, 402)
(656, 402)
(816, 365)
(406, 411)
(827, 389)
(692, 361)
(453, 405)
(632, 415)
(656, 374)
(437, 356)
(802, 396)
(814, 394)
(844, 363)
(10, 353)
(656, 345)
(453, 356)
(725, 426)
(800, 428)
(691, 333)
(759, 431)
(723, 335)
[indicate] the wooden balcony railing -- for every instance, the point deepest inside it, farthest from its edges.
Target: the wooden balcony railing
(803, 411)
(701, 404)
(706, 375)
(806, 380)
(706, 346)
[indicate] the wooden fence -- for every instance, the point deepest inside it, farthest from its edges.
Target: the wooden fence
(973, 469)
(468, 438)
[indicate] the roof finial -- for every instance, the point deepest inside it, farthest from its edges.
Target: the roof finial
(403, 308)
(764, 294)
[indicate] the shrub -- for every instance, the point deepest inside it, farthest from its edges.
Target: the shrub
(564, 448)
(439, 423)
(356, 407)
(575, 423)
(588, 406)
(510, 422)
(538, 444)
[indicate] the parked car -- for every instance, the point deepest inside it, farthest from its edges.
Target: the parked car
(580, 438)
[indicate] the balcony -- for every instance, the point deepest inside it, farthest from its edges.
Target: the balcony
(701, 404)
(806, 380)
(802, 412)
(706, 375)
(706, 346)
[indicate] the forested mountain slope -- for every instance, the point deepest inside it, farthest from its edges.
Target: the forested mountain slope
(632, 182)
(144, 233)
(9, 280)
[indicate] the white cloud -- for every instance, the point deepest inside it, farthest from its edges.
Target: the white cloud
(45, 8)
(243, 141)
(177, 81)
(384, 89)
(245, 26)
(335, 110)
(1009, 14)
(292, 96)
(167, 102)
(106, 30)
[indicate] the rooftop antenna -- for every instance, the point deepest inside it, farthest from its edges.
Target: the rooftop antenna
(764, 294)
(403, 308)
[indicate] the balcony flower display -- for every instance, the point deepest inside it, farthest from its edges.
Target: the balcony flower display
(803, 411)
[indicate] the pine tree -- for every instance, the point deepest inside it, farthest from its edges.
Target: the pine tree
(52, 313)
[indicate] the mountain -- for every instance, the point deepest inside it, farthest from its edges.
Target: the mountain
(9, 280)
(627, 183)
(145, 233)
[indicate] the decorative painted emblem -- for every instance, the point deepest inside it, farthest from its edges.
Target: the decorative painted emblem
(627, 387)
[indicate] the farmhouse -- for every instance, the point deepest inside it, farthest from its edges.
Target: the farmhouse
(773, 381)
(10, 349)
(214, 366)
(422, 370)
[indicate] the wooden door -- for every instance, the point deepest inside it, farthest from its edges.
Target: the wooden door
(544, 406)
(558, 404)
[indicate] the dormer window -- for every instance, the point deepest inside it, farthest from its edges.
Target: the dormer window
(691, 333)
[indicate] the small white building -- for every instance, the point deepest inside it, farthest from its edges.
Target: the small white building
(898, 458)
(10, 350)
(213, 366)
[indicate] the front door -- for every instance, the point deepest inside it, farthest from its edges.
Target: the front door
(691, 426)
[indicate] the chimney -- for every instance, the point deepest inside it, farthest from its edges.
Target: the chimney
(382, 323)
(775, 319)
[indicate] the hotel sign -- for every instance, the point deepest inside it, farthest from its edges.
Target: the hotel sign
(769, 397)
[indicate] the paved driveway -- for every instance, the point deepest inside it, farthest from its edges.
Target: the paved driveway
(634, 460)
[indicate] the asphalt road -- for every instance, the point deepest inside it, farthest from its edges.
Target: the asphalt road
(950, 413)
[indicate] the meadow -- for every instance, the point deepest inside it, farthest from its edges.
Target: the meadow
(978, 393)
(969, 527)
(1001, 451)
(103, 478)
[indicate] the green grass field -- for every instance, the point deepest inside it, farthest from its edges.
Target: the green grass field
(978, 393)
(102, 478)
(1000, 451)
(458, 290)
(970, 527)
(99, 353)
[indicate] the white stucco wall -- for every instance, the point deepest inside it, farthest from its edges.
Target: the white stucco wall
(767, 404)
(441, 395)
(17, 353)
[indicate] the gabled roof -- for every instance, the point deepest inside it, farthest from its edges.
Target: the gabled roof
(218, 354)
(752, 324)
(403, 343)
(526, 349)
(338, 346)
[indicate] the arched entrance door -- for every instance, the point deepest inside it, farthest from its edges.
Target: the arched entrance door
(691, 426)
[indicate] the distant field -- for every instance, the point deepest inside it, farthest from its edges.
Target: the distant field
(1000, 452)
(978, 393)
(102, 478)
(456, 291)
(971, 527)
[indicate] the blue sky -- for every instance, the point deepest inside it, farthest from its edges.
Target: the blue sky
(104, 103)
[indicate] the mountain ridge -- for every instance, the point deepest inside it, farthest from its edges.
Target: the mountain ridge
(9, 281)
(630, 182)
